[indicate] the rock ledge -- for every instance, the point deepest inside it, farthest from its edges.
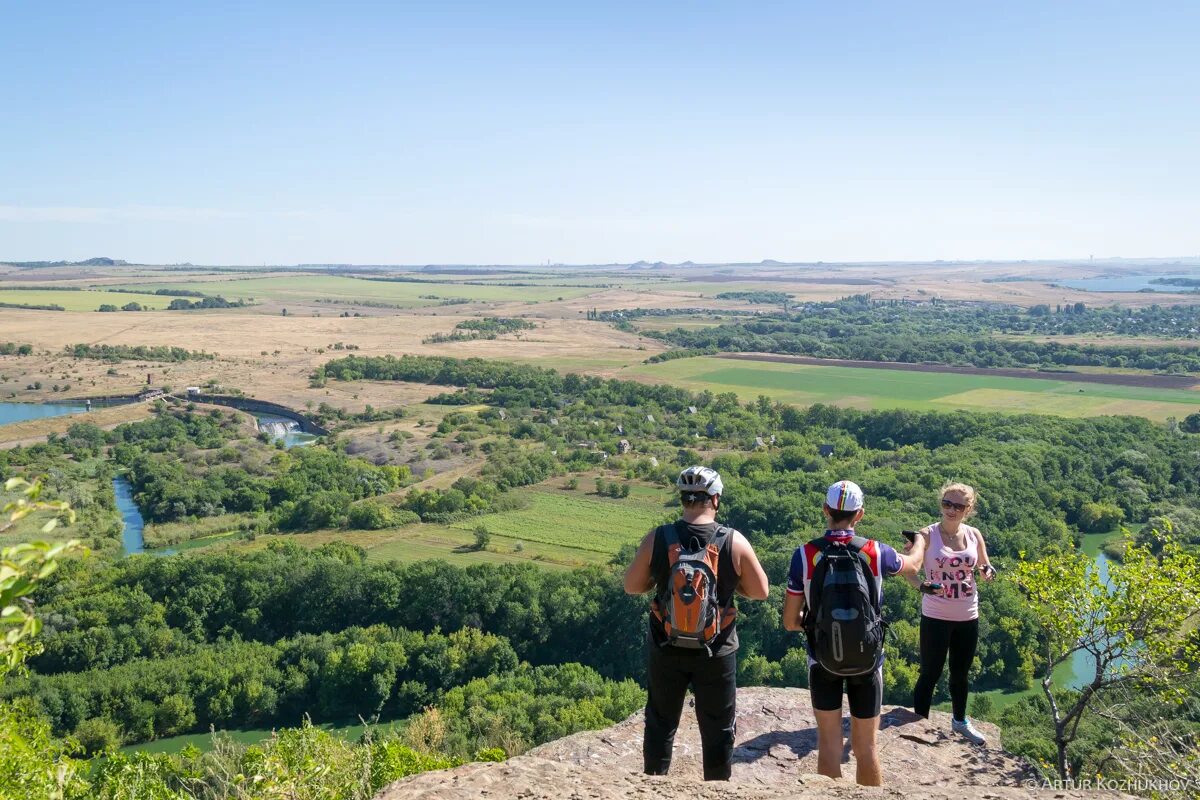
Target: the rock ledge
(775, 758)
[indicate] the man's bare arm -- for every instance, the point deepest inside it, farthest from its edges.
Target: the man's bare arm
(637, 576)
(793, 612)
(752, 579)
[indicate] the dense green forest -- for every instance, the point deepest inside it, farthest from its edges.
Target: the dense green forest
(981, 335)
(140, 648)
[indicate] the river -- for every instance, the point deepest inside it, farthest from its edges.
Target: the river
(1082, 667)
(131, 535)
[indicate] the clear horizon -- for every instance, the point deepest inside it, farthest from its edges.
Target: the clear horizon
(299, 133)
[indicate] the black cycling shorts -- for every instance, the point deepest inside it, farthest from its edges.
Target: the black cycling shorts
(865, 692)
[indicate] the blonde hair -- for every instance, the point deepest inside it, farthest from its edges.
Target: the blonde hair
(963, 489)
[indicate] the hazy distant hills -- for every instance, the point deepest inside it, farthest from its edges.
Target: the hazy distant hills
(91, 262)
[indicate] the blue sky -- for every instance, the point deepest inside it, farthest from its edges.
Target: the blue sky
(441, 132)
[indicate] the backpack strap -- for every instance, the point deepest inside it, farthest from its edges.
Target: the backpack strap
(723, 537)
(723, 534)
(670, 536)
(857, 545)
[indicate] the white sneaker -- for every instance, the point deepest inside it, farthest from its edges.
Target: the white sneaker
(968, 731)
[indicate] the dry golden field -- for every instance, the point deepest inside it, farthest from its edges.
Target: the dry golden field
(271, 357)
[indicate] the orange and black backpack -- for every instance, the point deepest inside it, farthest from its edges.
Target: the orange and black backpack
(688, 606)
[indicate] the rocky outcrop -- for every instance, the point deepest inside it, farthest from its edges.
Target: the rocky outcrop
(775, 757)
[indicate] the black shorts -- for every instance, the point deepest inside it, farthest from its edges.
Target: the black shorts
(865, 692)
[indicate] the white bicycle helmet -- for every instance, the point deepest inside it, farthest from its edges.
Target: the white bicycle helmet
(699, 479)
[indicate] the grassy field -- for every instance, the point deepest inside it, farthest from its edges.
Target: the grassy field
(81, 300)
(175, 534)
(318, 287)
(351, 732)
(559, 528)
(574, 520)
(880, 388)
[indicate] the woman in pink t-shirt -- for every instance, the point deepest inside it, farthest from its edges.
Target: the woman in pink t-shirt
(950, 616)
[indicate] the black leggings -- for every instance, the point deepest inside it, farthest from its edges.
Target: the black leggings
(714, 683)
(939, 637)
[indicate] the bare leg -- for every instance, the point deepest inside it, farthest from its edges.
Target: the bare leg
(829, 743)
(866, 754)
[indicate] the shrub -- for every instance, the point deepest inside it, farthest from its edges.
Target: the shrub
(370, 515)
(98, 735)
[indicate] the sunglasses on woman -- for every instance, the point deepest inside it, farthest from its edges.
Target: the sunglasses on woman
(954, 505)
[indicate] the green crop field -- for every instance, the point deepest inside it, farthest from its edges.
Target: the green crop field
(81, 300)
(332, 287)
(883, 388)
(559, 528)
(575, 520)
(425, 542)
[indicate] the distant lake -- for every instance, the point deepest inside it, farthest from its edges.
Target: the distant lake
(1127, 283)
(19, 412)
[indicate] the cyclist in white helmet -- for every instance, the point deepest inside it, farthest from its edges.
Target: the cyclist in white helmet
(695, 567)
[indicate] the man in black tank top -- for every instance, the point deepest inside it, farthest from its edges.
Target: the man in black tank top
(676, 662)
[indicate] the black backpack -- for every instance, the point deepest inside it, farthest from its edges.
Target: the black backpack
(844, 622)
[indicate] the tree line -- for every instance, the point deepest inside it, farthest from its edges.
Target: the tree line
(954, 333)
(140, 352)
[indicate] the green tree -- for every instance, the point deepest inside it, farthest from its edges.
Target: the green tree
(483, 537)
(1135, 631)
(98, 735)
(1100, 517)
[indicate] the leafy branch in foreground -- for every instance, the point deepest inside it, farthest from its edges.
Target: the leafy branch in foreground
(22, 567)
(1134, 631)
(29, 501)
